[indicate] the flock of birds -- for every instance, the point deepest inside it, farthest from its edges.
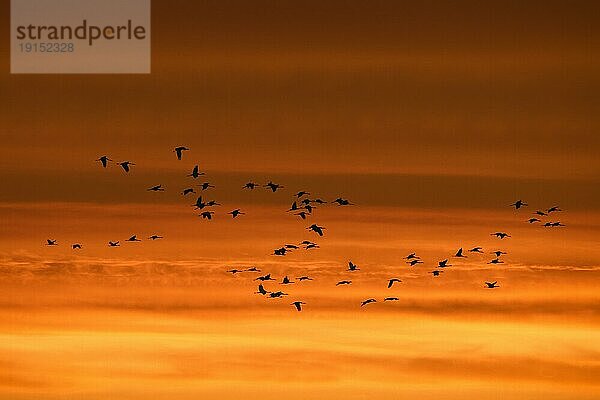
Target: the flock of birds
(303, 206)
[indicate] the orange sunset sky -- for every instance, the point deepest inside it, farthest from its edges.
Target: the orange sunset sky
(432, 117)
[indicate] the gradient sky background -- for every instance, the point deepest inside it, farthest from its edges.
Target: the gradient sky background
(432, 117)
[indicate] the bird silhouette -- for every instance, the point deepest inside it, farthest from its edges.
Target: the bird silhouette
(518, 204)
(342, 202)
(234, 271)
(133, 239)
(113, 244)
(205, 185)
(264, 278)
(261, 290)
(476, 250)
(188, 191)
(51, 242)
(312, 246)
(500, 235)
(250, 185)
(301, 214)
(155, 237)
(498, 253)
(286, 281)
(293, 207)
(436, 273)
(207, 215)
(304, 278)
(298, 305)
(392, 281)
(291, 247)
(104, 160)
(236, 212)
(196, 172)
(553, 209)
(126, 165)
(179, 151)
(343, 283)
(157, 188)
(305, 201)
(492, 285)
(317, 229)
(211, 203)
(411, 256)
(540, 213)
(367, 301)
(459, 253)
(391, 299)
(552, 224)
(414, 262)
(352, 266)
(302, 193)
(200, 204)
(273, 186)
(252, 269)
(319, 201)
(532, 220)
(277, 294)
(444, 264)
(76, 246)
(280, 252)
(496, 261)
(309, 208)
